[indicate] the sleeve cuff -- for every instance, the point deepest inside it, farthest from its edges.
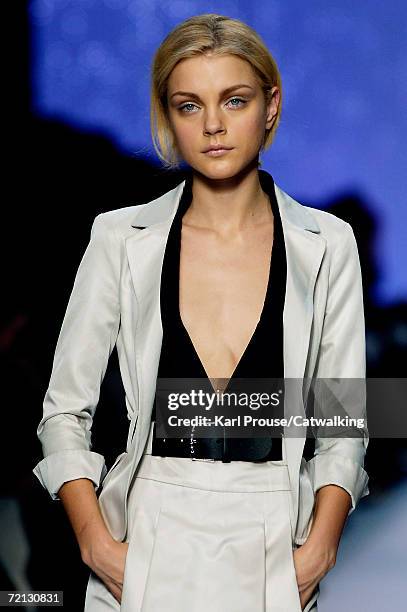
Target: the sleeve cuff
(325, 469)
(57, 468)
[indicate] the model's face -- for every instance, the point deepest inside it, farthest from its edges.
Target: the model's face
(217, 100)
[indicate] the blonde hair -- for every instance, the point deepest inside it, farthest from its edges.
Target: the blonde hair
(198, 35)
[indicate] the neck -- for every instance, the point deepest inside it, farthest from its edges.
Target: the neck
(230, 205)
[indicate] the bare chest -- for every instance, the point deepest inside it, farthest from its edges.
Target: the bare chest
(222, 291)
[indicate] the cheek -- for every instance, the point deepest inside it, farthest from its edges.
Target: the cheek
(184, 134)
(253, 125)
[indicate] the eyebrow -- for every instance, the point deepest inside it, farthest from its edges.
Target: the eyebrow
(224, 92)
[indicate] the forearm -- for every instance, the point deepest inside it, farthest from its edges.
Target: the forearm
(81, 505)
(332, 504)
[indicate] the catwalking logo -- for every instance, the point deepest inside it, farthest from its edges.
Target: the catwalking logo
(335, 421)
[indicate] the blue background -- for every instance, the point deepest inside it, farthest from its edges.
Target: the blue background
(343, 66)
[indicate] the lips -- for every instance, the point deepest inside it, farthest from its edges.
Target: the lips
(217, 152)
(217, 148)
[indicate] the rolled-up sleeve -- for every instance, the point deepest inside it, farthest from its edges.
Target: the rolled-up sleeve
(56, 469)
(342, 356)
(327, 468)
(87, 337)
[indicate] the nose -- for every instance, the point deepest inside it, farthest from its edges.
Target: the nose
(213, 123)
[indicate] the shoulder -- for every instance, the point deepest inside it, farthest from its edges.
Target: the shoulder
(330, 227)
(124, 221)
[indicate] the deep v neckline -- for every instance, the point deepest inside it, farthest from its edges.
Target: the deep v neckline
(175, 231)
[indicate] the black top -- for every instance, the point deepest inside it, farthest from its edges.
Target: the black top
(263, 356)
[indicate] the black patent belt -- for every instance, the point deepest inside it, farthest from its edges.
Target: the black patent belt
(224, 449)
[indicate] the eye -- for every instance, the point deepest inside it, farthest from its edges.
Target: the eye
(243, 102)
(183, 108)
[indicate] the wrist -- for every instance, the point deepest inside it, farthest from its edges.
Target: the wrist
(323, 550)
(95, 544)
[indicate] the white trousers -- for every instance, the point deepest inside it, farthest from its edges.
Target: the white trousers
(206, 535)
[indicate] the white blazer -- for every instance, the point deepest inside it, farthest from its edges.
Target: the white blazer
(116, 301)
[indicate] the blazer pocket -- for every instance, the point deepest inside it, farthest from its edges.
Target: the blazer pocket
(306, 501)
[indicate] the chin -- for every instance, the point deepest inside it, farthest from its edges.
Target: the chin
(216, 169)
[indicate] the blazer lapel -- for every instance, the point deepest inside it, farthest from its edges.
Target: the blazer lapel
(145, 253)
(305, 248)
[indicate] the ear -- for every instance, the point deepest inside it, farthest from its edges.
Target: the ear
(273, 102)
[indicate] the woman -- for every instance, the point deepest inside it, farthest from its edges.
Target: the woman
(195, 284)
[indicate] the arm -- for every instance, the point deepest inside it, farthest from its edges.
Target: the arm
(86, 519)
(86, 340)
(314, 559)
(99, 550)
(337, 468)
(332, 505)
(336, 471)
